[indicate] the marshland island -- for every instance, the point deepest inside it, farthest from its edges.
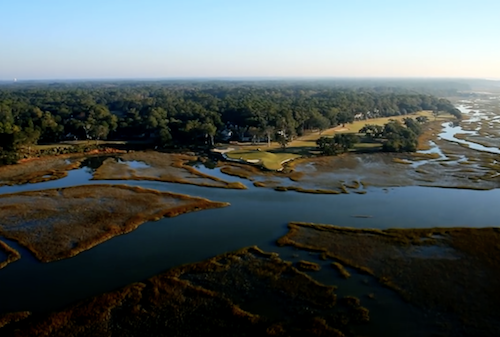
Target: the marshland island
(250, 208)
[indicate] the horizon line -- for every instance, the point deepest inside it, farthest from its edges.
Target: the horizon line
(239, 78)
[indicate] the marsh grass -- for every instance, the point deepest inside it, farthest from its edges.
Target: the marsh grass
(245, 293)
(305, 190)
(340, 268)
(428, 267)
(12, 254)
(234, 171)
(13, 317)
(165, 167)
(401, 161)
(353, 185)
(307, 266)
(60, 223)
(37, 170)
(423, 156)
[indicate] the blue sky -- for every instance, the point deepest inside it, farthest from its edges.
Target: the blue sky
(72, 39)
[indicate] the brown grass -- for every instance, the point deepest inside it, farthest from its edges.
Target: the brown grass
(12, 254)
(401, 161)
(36, 171)
(453, 272)
(166, 167)
(60, 223)
(354, 185)
(13, 317)
(307, 266)
(340, 268)
(246, 293)
(417, 155)
(237, 172)
(432, 129)
(304, 190)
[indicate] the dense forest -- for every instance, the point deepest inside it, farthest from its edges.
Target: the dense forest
(188, 113)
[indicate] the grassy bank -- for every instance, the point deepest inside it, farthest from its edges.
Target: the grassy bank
(12, 255)
(428, 267)
(60, 223)
(38, 170)
(166, 167)
(245, 293)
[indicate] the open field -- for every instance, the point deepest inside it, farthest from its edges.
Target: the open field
(60, 223)
(357, 125)
(245, 293)
(158, 166)
(453, 273)
(11, 255)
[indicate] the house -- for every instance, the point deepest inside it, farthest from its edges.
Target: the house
(226, 134)
(359, 116)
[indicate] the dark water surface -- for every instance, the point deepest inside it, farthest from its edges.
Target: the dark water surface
(257, 216)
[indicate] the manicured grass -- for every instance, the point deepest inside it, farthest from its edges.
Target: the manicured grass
(357, 125)
(271, 161)
(273, 155)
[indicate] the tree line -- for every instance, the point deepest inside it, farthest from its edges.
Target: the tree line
(184, 113)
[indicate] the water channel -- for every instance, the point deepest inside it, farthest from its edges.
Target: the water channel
(257, 216)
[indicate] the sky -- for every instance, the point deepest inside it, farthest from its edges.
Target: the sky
(92, 39)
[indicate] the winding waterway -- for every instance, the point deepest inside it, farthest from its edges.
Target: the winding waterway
(257, 216)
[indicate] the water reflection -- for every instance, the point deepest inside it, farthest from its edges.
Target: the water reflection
(451, 129)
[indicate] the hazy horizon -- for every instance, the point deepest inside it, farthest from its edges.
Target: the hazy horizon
(249, 78)
(221, 39)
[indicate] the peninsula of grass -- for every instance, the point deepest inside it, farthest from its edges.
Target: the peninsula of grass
(13, 317)
(38, 170)
(166, 167)
(307, 266)
(340, 268)
(268, 160)
(11, 255)
(60, 223)
(245, 293)
(453, 273)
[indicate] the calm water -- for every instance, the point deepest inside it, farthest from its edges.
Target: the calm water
(257, 216)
